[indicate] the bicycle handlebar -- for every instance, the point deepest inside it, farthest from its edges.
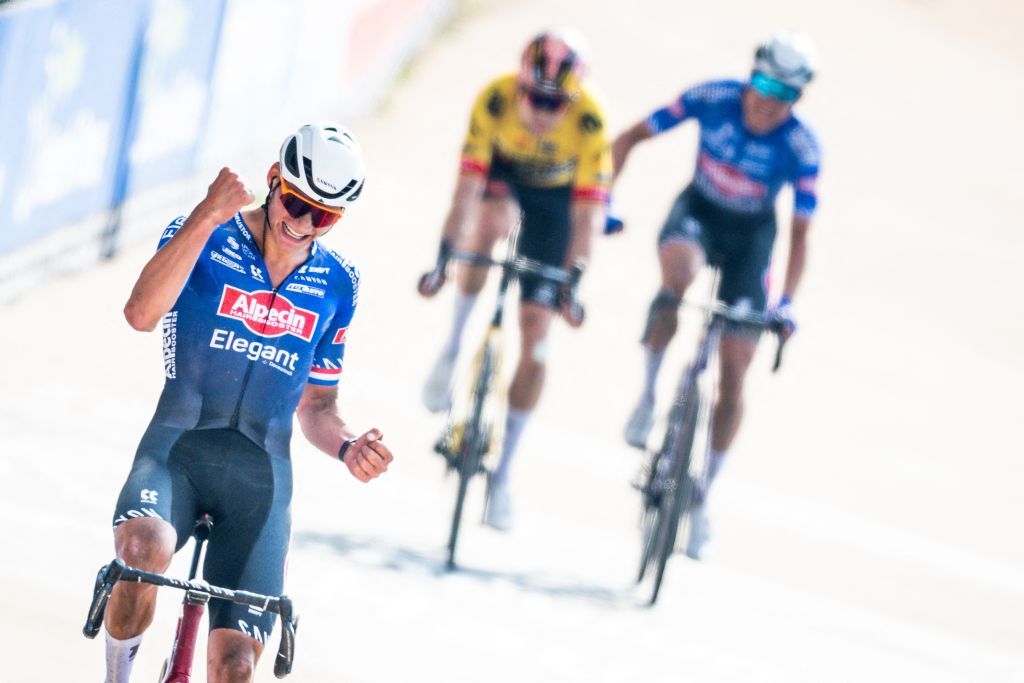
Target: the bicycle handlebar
(723, 311)
(521, 265)
(117, 570)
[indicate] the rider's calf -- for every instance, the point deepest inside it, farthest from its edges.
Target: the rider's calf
(662, 320)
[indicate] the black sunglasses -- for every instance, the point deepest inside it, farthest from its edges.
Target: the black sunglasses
(546, 102)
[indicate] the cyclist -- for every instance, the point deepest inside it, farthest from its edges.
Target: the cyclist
(254, 313)
(751, 144)
(536, 148)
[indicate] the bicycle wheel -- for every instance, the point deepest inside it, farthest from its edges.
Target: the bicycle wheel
(471, 448)
(675, 494)
(654, 486)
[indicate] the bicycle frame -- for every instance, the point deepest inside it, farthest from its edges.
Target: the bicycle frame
(197, 594)
(179, 665)
(669, 488)
(465, 451)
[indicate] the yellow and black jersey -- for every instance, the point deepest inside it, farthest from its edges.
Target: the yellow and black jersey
(574, 152)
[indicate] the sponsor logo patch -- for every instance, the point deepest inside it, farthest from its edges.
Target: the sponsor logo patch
(225, 261)
(314, 280)
(341, 336)
(240, 224)
(305, 289)
(729, 180)
(256, 272)
(170, 344)
(280, 359)
(267, 314)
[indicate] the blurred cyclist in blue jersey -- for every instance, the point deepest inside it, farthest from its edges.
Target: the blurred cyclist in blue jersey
(751, 144)
(255, 315)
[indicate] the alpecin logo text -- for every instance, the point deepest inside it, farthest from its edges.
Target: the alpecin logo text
(170, 344)
(267, 314)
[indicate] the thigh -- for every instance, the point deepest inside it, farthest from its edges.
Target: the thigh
(498, 213)
(680, 263)
(158, 487)
(544, 236)
(745, 266)
(684, 223)
(248, 493)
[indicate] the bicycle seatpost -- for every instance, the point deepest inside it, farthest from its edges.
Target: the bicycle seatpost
(200, 532)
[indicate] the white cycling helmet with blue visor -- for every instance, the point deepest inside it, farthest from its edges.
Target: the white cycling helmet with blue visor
(784, 65)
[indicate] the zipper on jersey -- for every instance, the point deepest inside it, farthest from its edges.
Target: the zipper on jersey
(248, 370)
(236, 415)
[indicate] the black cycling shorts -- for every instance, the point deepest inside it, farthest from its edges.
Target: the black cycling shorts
(178, 475)
(545, 231)
(738, 244)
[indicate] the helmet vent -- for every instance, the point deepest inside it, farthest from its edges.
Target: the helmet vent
(355, 195)
(291, 160)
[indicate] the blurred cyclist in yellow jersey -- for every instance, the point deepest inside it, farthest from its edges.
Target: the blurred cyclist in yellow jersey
(536, 149)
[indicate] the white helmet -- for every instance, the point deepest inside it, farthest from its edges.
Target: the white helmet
(787, 57)
(324, 162)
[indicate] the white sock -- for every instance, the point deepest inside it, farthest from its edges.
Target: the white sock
(715, 461)
(463, 307)
(120, 656)
(652, 364)
(514, 425)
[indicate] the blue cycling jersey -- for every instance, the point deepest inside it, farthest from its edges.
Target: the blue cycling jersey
(239, 352)
(735, 168)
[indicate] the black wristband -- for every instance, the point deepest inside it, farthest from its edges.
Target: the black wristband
(444, 252)
(344, 448)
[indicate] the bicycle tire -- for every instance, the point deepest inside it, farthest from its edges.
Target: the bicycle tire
(672, 507)
(652, 491)
(471, 447)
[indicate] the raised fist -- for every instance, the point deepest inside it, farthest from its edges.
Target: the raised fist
(227, 195)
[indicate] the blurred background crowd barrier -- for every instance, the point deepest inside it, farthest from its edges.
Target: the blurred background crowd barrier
(109, 109)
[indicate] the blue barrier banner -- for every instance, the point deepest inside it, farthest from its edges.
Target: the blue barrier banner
(64, 89)
(173, 95)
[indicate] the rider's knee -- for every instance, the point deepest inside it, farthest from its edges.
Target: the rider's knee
(146, 543)
(534, 326)
(680, 264)
(236, 665)
(537, 351)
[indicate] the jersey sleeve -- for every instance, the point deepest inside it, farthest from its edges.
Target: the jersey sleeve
(807, 161)
(330, 352)
(172, 227)
(695, 102)
(477, 148)
(594, 170)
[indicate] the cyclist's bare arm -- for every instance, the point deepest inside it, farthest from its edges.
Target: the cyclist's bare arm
(366, 458)
(469, 190)
(587, 219)
(800, 229)
(465, 207)
(166, 273)
(625, 142)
